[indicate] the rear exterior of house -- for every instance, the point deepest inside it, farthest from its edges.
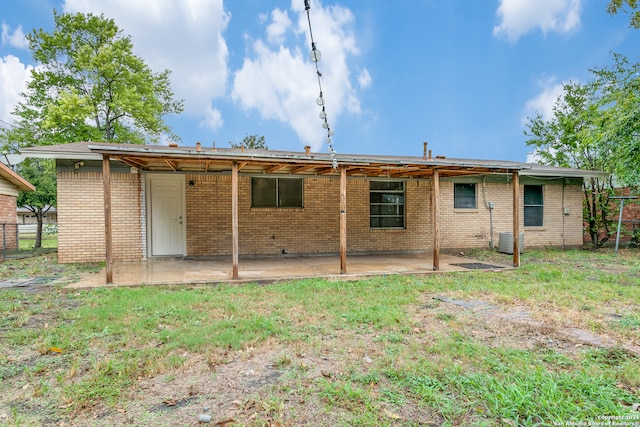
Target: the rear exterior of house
(290, 204)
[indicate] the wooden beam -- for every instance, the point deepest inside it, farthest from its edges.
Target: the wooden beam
(302, 168)
(275, 168)
(242, 165)
(234, 219)
(515, 181)
(133, 163)
(172, 164)
(108, 239)
(325, 171)
(343, 220)
(435, 180)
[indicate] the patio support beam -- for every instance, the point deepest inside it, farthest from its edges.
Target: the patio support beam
(234, 219)
(343, 220)
(436, 214)
(515, 181)
(108, 239)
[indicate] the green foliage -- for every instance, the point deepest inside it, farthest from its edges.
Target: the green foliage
(251, 142)
(578, 135)
(618, 100)
(42, 174)
(90, 87)
(615, 5)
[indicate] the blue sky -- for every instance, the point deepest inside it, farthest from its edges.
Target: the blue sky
(462, 75)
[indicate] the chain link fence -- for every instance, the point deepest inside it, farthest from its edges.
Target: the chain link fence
(18, 240)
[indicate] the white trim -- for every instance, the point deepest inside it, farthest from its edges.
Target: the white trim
(148, 178)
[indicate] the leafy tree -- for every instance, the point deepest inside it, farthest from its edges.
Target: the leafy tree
(252, 142)
(90, 87)
(42, 174)
(619, 102)
(573, 138)
(615, 5)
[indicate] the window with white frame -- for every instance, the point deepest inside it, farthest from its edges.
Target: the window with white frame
(386, 204)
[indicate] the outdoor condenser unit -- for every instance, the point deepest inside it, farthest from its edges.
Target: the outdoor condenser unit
(505, 243)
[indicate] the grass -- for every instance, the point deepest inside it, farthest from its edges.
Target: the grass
(378, 351)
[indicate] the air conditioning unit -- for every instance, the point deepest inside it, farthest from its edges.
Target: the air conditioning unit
(505, 243)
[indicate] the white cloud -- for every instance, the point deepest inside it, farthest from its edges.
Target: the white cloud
(184, 36)
(544, 102)
(281, 83)
(364, 79)
(212, 119)
(518, 17)
(13, 81)
(15, 39)
(279, 26)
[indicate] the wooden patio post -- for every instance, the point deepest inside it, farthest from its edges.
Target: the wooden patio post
(515, 181)
(436, 214)
(108, 238)
(234, 218)
(343, 220)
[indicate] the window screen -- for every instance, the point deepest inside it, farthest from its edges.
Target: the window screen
(464, 196)
(386, 204)
(276, 192)
(533, 206)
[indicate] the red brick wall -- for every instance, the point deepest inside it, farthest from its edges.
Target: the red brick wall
(8, 217)
(313, 229)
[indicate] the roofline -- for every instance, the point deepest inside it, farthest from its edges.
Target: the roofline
(67, 155)
(13, 177)
(321, 158)
(96, 151)
(566, 173)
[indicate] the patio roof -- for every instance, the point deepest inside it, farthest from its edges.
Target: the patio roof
(219, 160)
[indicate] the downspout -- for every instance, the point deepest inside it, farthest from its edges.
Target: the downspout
(564, 183)
(488, 205)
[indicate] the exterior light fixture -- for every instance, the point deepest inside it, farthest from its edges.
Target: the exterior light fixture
(316, 56)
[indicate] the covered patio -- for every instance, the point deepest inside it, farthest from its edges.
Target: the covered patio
(266, 270)
(176, 159)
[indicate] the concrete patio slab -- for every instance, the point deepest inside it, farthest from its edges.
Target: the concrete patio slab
(189, 272)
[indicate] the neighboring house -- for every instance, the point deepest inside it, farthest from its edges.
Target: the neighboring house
(195, 202)
(26, 216)
(10, 184)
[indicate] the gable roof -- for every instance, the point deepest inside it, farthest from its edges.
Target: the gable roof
(19, 182)
(199, 159)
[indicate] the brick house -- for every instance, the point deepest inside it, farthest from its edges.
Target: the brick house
(10, 184)
(198, 203)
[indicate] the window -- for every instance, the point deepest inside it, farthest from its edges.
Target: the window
(464, 196)
(533, 206)
(386, 201)
(276, 192)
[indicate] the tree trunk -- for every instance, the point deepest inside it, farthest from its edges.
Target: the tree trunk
(39, 217)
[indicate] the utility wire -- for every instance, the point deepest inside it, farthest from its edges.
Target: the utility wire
(315, 57)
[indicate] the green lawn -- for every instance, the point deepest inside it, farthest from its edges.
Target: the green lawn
(380, 351)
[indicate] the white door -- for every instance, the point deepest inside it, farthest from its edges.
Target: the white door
(167, 215)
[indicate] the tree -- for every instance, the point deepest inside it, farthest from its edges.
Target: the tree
(619, 86)
(251, 142)
(90, 87)
(40, 173)
(615, 5)
(573, 138)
